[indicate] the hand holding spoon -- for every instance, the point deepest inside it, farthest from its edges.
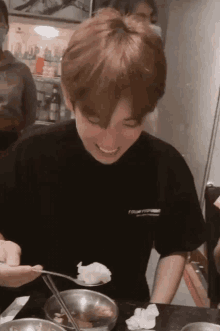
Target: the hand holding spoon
(75, 280)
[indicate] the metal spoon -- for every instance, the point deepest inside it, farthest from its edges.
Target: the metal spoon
(75, 280)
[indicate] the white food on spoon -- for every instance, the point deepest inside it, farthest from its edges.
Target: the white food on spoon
(94, 273)
(143, 318)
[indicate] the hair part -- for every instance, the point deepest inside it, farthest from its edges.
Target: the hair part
(112, 56)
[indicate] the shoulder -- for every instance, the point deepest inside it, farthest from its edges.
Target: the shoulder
(40, 151)
(23, 69)
(10, 59)
(46, 139)
(16, 70)
(168, 157)
(51, 130)
(16, 64)
(21, 65)
(159, 146)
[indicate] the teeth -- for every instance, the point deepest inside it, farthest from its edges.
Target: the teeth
(110, 152)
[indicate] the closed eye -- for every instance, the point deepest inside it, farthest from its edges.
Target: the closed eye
(128, 123)
(131, 124)
(93, 120)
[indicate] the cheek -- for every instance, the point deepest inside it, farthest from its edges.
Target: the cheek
(88, 133)
(131, 135)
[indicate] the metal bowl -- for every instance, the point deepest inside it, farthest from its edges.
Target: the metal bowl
(84, 303)
(201, 326)
(30, 324)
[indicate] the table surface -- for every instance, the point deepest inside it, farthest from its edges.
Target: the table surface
(171, 317)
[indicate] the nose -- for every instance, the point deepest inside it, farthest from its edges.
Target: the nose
(109, 139)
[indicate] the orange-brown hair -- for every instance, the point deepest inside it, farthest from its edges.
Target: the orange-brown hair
(111, 56)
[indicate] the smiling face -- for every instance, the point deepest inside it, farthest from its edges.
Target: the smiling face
(108, 145)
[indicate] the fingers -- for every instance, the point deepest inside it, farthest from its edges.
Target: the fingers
(38, 267)
(2, 251)
(11, 273)
(10, 252)
(17, 276)
(13, 253)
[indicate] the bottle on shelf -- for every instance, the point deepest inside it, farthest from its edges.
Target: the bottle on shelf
(39, 63)
(55, 105)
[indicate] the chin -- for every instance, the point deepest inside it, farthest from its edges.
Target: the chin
(106, 161)
(103, 161)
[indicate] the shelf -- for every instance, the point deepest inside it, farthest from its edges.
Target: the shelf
(46, 79)
(43, 123)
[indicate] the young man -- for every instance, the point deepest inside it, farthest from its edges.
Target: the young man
(99, 188)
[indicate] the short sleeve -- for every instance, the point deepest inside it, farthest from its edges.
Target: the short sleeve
(181, 225)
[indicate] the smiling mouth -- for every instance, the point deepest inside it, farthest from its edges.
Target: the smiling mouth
(107, 152)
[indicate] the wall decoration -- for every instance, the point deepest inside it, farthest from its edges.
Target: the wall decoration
(63, 10)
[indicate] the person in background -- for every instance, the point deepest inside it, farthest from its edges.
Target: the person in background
(18, 96)
(147, 8)
(99, 188)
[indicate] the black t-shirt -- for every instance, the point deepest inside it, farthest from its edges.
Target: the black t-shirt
(62, 206)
